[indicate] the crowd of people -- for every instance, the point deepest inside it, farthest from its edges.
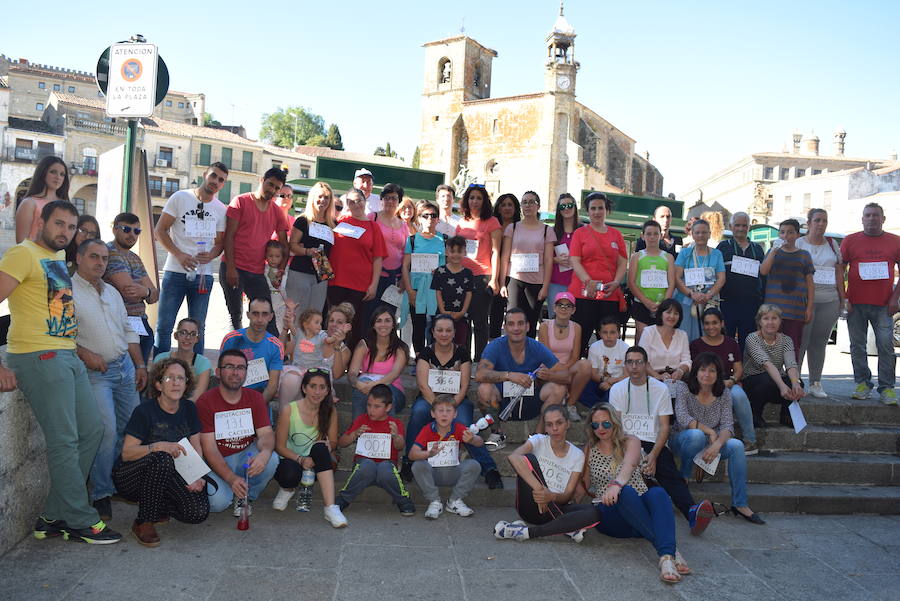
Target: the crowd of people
(721, 330)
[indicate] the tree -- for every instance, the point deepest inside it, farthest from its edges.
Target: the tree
(385, 151)
(292, 126)
(417, 157)
(333, 138)
(209, 120)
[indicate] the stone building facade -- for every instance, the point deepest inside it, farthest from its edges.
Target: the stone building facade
(545, 141)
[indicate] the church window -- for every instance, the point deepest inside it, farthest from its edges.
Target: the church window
(445, 70)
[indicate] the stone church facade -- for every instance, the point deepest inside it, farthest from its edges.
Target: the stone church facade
(545, 141)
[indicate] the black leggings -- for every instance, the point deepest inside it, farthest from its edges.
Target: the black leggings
(588, 314)
(159, 490)
(419, 330)
(289, 472)
(253, 285)
(479, 309)
(525, 296)
(498, 311)
(761, 389)
(560, 518)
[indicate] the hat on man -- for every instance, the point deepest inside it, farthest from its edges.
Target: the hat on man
(362, 172)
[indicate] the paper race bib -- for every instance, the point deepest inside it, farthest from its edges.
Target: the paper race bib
(444, 381)
(374, 445)
(423, 262)
(560, 250)
(256, 372)
(745, 266)
(448, 229)
(511, 389)
(654, 278)
(137, 324)
(709, 468)
(556, 475)
(236, 423)
(694, 276)
(642, 426)
(392, 295)
(824, 276)
(471, 249)
(323, 232)
(524, 262)
(448, 456)
(877, 270)
(347, 229)
(199, 228)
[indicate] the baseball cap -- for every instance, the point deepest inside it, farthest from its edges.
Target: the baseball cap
(564, 296)
(362, 172)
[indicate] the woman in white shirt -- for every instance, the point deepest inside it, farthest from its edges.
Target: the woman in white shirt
(668, 350)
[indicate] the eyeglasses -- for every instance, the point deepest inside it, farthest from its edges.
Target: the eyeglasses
(233, 367)
(339, 208)
(566, 205)
(127, 229)
(634, 362)
(89, 234)
(285, 195)
(187, 334)
(177, 379)
(428, 216)
(565, 306)
(606, 425)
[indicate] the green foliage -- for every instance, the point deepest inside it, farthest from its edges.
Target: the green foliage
(385, 151)
(417, 157)
(333, 138)
(209, 120)
(293, 126)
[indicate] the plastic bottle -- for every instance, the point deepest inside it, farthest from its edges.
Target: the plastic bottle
(304, 494)
(202, 269)
(481, 424)
(244, 519)
(308, 478)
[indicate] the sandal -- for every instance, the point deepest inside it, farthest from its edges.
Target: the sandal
(681, 565)
(667, 571)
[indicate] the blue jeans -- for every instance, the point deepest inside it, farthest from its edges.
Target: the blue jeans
(116, 398)
(359, 400)
(858, 321)
(221, 499)
(172, 292)
(646, 516)
(740, 318)
(592, 395)
(690, 442)
(690, 324)
(740, 407)
(552, 291)
(420, 416)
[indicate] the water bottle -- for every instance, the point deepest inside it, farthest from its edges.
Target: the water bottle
(481, 424)
(304, 495)
(244, 519)
(202, 269)
(308, 478)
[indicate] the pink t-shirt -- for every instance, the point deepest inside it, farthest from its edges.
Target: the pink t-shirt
(529, 241)
(477, 229)
(394, 241)
(39, 204)
(381, 368)
(254, 229)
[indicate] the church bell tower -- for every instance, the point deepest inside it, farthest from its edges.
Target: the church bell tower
(561, 66)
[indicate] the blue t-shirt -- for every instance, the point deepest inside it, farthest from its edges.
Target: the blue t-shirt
(497, 352)
(269, 348)
(713, 264)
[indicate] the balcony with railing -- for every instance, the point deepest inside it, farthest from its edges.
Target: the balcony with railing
(164, 161)
(99, 127)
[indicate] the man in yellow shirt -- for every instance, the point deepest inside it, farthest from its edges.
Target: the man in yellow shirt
(44, 365)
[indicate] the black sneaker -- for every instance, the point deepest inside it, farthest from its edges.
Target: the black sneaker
(45, 528)
(406, 472)
(104, 508)
(493, 480)
(98, 534)
(341, 503)
(406, 507)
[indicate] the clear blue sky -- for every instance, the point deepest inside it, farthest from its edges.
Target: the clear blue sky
(699, 84)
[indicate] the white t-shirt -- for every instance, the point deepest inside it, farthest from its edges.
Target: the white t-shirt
(649, 401)
(824, 258)
(556, 470)
(183, 207)
(615, 364)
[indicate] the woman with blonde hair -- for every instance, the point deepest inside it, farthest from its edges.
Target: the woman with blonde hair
(311, 239)
(716, 227)
(408, 212)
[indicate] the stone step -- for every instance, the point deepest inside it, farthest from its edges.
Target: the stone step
(835, 411)
(832, 438)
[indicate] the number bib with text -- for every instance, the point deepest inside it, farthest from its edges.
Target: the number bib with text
(654, 278)
(423, 262)
(876, 270)
(237, 423)
(511, 389)
(694, 276)
(374, 445)
(745, 266)
(322, 232)
(824, 276)
(256, 372)
(347, 229)
(524, 263)
(199, 228)
(642, 426)
(443, 381)
(556, 475)
(447, 456)
(471, 249)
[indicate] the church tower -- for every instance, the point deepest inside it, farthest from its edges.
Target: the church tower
(457, 69)
(561, 67)
(560, 70)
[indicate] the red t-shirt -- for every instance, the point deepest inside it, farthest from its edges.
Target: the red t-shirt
(211, 402)
(351, 258)
(477, 229)
(598, 253)
(859, 248)
(381, 427)
(429, 434)
(255, 228)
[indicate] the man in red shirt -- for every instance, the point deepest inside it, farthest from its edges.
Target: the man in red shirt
(235, 431)
(872, 295)
(251, 220)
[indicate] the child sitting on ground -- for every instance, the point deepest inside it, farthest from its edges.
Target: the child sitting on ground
(378, 437)
(437, 461)
(310, 346)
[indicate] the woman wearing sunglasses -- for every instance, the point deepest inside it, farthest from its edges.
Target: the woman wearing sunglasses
(420, 301)
(87, 228)
(527, 260)
(186, 334)
(564, 225)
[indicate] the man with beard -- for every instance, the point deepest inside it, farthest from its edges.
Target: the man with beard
(251, 219)
(43, 363)
(192, 229)
(127, 274)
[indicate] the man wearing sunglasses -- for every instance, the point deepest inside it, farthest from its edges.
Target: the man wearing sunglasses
(192, 229)
(127, 274)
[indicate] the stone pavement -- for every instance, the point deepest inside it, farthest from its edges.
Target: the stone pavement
(384, 556)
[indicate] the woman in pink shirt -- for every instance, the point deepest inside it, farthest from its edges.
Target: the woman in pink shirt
(50, 182)
(395, 232)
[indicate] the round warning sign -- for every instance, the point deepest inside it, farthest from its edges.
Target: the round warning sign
(132, 69)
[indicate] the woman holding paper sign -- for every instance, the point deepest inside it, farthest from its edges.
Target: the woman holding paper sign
(699, 276)
(424, 252)
(828, 296)
(378, 359)
(564, 225)
(704, 430)
(482, 231)
(395, 232)
(651, 277)
(154, 437)
(311, 238)
(526, 261)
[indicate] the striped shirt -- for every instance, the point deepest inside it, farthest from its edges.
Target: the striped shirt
(757, 351)
(786, 284)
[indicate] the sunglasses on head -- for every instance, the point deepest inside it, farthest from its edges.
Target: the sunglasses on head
(481, 186)
(127, 229)
(566, 205)
(605, 424)
(318, 370)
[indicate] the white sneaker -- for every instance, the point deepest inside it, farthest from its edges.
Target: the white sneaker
(816, 390)
(577, 536)
(435, 508)
(459, 507)
(573, 413)
(238, 504)
(335, 517)
(281, 499)
(495, 442)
